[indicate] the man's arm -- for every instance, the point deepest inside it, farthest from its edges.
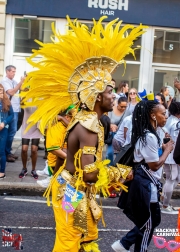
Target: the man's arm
(14, 90)
(59, 153)
(61, 156)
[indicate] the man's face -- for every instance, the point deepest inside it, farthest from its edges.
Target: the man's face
(10, 74)
(108, 98)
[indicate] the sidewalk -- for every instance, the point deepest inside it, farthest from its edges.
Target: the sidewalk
(28, 185)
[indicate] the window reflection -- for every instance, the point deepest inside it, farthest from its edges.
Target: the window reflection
(131, 75)
(166, 47)
(26, 31)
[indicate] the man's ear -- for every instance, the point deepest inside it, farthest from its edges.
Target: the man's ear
(99, 97)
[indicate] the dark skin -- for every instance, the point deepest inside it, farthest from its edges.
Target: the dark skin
(80, 136)
(159, 115)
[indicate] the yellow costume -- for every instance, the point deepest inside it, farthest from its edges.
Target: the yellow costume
(54, 140)
(75, 68)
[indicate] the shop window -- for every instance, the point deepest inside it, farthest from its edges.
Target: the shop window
(166, 47)
(130, 74)
(26, 31)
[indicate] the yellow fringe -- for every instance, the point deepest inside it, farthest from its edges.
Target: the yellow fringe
(48, 190)
(103, 184)
(90, 247)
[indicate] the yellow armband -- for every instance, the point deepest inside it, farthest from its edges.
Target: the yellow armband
(89, 150)
(90, 167)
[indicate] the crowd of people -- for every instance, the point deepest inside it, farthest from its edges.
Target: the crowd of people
(101, 121)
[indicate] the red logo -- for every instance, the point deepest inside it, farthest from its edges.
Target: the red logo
(11, 240)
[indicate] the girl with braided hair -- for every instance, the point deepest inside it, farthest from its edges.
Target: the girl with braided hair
(171, 169)
(141, 202)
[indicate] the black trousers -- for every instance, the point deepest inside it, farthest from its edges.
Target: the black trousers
(141, 237)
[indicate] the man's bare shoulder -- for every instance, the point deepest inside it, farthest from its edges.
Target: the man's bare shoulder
(81, 131)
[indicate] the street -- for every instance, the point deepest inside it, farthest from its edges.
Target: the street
(30, 217)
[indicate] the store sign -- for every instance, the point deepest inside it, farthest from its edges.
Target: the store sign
(107, 7)
(152, 12)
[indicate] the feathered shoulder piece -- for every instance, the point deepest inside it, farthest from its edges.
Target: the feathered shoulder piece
(76, 66)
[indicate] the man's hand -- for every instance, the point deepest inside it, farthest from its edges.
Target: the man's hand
(130, 176)
(168, 146)
(2, 126)
(113, 127)
(22, 80)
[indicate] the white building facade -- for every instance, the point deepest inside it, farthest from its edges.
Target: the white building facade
(157, 62)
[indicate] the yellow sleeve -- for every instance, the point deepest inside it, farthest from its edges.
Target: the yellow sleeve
(55, 136)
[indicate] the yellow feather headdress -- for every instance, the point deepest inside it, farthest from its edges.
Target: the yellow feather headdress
(76, 66)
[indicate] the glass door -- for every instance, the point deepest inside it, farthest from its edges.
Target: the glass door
(164, 77)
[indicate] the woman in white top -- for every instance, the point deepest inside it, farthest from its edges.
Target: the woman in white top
(116, 116)
(132, 100)
(171, 169)
(123, 135)
(141, 203)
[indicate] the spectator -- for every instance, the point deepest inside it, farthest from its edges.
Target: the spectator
(123, 135)
(142, 206)
(6, 116)
(171, 169)
(176, 155)
(12, 89)
(165, 91)
(161, 99)
(116, 116)
(55, 139)
(132, 100)
(113, 82)
(123, 89)
(177, 86)
(34, 135)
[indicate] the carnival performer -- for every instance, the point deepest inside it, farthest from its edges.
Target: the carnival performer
(141, 205)
(55, 144)
(76, 69)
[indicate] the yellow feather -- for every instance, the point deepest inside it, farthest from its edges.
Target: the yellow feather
(58, 60)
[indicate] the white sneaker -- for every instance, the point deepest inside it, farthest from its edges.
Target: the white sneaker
(45, 182)
(118, 247)
(43, 172)
(169, 210)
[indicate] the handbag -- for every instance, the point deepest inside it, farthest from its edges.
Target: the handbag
(125, 156)
(20, 118)
(109, 139)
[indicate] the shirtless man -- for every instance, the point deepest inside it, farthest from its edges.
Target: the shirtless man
(79, 136)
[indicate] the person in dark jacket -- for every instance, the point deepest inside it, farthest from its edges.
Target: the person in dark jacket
(176, 155)
(6, 116)
(141, 204)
